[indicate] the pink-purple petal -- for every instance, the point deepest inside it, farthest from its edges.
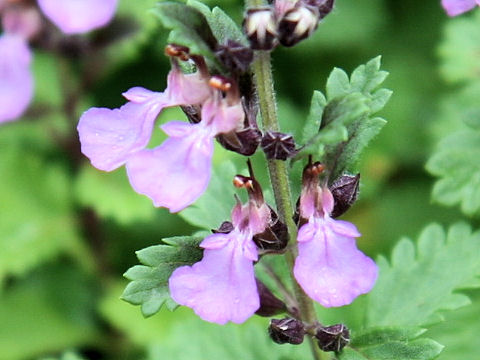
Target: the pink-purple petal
(215, 241)
(221, 117)
(175, 173)
(329, 267)
(16, 80)
(109, 137)
(221, 287)
(457, 7)
(78, 16)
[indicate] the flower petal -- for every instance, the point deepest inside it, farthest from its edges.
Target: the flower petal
(329, 267)
(457, 7)
(109, 137)
(220, 288)
(220, 116)
(177, 172)
(16, 80)
(78, 16)
(215, 241)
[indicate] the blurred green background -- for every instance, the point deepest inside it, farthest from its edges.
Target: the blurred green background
(68, 231)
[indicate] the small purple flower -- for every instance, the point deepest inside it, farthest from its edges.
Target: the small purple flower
(222, 287)
(329, 267)
(16, 81)
(457, 7)
(78, 16)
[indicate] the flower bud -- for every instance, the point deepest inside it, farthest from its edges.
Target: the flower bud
(333, 338)
(297, 24)
(225, 228)
(344, 191)
(270, 305)
(277, 145)
(261, 28)
(324, 6)
(286, 330)
(234, 56)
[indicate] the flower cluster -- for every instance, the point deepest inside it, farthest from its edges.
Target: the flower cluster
(329, 267)
(177, 172)
(22, 22)
(457, 7)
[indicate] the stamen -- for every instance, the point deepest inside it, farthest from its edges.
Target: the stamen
(174, 50)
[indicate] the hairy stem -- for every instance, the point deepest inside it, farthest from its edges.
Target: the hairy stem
(280, 183)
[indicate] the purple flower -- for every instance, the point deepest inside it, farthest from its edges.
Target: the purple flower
(177, 172)
(78, 16)
(222, 287)
(16, 81)
(329, 267)
(457, 7)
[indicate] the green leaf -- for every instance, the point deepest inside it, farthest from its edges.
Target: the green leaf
(149, 282)
(455, 162)
(421, 280)
(223, 27)
(210, 210)
(392, 343)
(343, 126)
(189, 27)
(111, 195)
(336, 116)
(66, 356)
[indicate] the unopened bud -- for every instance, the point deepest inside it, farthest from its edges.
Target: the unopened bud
(297, 24)
(344, 191)
(324, 7)
(333, 338)
(261, 28)
(278, 145)
(287, 330)
(243, 141)
(275, 237)
(270, 305)
(236, 57)
(225, 228)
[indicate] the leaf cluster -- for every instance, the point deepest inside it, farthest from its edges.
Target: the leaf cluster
(342, 123)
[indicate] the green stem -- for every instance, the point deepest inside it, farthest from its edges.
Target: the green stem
(280, 183)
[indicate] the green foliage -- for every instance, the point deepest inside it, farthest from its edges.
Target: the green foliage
(111, 196)
(66, 356)
(188, 26)
(391, 343)
(459, 49)
(455, 162)
(149, 282)
(342, 123)
(421, 281)
(210, 210)
(36, 221)
(46, 313)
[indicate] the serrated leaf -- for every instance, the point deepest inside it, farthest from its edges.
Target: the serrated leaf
(223, 27)
(388, 343)
(420, 280)
(210, 210)
(422, 349)
(341, 152)
(148, 285)
(189, 27)
(456, 163)
(111, 195)
(336, 116)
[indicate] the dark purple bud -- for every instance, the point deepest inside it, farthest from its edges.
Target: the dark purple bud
(287, 330)
(193, 113)
(333, 338)
(270, 305)
(275, 237)
(344, 191)
(234, 56)
(297, 24)
(260, 27)
(225, 228)
(324, 7)
(277, 145)
(244, 141)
